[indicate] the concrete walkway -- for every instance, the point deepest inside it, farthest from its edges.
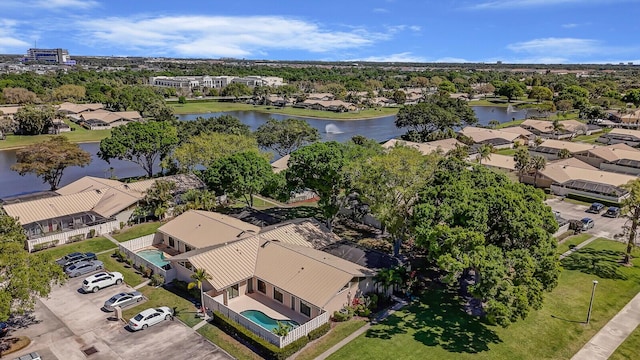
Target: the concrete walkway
(607, 340)
(578, 247)
(108, 236)
(399, 305)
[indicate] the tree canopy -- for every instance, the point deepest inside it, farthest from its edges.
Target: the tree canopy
(511, 89)
(285, 136)
(224, 124)
(142, 143)
(23, 277)
(202, 150)
(34, 120)
(48, 160)
(479, 227)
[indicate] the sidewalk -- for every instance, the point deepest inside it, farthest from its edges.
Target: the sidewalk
(399, 305)
(578, 247)
(108, 236)
(614, 333)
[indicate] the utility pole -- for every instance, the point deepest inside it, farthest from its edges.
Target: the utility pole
(593, 291)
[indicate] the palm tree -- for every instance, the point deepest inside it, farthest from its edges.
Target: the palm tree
(631, 210)
(564, 153)
(538, 163)
(493, 123)
(538, 141)
(557, 126)
(198, 277)
(484, 152)
(522, 162)
(385, 279)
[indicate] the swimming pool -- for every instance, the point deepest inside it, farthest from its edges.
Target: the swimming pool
(265, 320)
(155, 257)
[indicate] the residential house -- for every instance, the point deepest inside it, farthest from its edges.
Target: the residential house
(321, 96)
(58, 126)
(551, 149)
(624, 117)
(616, 136)
(572, 177)
(68, 108)
(497, 161)
(88, 203)
(103, 119)
(443, 146)
(9, 111)
(497, 138)
(620, 158)
(570, 128)
(327, 105)
(280, 164)
(520, 130)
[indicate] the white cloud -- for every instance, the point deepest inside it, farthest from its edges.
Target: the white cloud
(9, 42)
(400, 57)
(451, 60)
(380, 10)
(557, 47)
(514, 4)
(221, 36)
(415, 27)
(56, 4)
(569, 26)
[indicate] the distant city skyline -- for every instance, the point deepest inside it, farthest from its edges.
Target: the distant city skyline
(510, 31)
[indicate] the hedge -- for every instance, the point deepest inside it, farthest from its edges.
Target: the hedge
(264, 348)
(319, 332)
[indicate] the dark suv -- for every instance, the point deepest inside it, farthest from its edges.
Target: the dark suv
(595, 208)
(75, 257)
(612, 212)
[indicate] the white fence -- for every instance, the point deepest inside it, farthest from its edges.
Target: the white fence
(70, 236)
(279, 341)
(130, 247)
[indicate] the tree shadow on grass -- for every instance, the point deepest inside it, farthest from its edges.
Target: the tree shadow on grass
(439, 320)
(602, 263)
(294, 212)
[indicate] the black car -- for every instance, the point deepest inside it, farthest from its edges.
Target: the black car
(75, 257)
(595, 208)
(612, 212)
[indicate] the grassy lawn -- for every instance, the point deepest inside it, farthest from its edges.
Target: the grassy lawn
(508, 152)
(227, 343)
(79, 135)
(509, 124)
(437, 328)
(184, 309)
(213, 106)
(338, 332)
(570, 242)
(591, 139)
(629, 348)
(94, 245)
(131, 276)
(137, 231)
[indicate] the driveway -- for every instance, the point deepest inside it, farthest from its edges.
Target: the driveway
(604, 227)
(70, 321)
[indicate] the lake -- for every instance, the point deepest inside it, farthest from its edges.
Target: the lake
(380, 129)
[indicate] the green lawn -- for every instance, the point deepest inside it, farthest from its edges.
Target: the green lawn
(78, 135)
(570, 242)
(338, 332)
(94, 245)
(437, 328)
(509, 124)
(591, 139)
(137, 231)
(508, 152)
(628, 350)
(227, 343)
(213, 106)
(131, 276)
(185, 310)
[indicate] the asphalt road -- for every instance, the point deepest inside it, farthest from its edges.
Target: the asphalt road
(604, 227)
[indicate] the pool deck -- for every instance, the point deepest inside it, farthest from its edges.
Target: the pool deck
(271, 308)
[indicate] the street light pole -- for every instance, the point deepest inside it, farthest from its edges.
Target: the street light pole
(593, 291)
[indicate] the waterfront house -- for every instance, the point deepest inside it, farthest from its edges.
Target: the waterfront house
(551, 148)
(443, 146)
(570, 128)
(616, 136)
(497, 138)
(620, 158)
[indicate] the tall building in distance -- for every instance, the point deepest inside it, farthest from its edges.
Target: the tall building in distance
(49, 56)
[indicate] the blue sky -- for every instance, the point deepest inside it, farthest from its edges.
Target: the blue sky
(513, 31)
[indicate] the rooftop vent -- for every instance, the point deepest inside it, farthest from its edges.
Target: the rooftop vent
(90, 351)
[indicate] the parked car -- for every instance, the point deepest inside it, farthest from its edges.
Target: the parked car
(101, 280)
(123, 299)
(30, 356)
(83, 267)
(595, 208)
(4, 328)
(75, 257)
(612, 212)
(587, 223)
(150, 317)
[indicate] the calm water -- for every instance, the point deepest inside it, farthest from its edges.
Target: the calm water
(380, 129)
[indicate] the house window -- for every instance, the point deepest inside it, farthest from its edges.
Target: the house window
(172, 242)
(277, 295)
(293, 303)
(305, 309)
(233, 291)
(262, 287)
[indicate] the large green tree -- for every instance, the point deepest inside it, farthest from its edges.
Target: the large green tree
(49, 159)
(159, 198)
(202, 150)
(389, 184)
(34, 120)
(23, 277)
(490, 236)
(631, 210)
(632, 96)
(240, 175)
(540, 93)
(224, 124)
(144, 143)
(511, 89)
(286, 136)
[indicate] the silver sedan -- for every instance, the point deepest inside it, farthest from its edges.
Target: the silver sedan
(123, 299)
(83, 267)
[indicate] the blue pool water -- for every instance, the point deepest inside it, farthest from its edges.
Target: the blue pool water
(154, 256)
(265, 320)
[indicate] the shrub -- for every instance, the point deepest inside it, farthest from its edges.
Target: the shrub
(373, 298)
(122, 224)
(75, 238)
(343, 314)
(157, 280)
(261, 346)
(319, 332)
(91, 234)
(45, 245)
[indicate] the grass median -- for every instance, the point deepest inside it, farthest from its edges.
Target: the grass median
(437, 327)
(338, 333)
(137, 231)
(185, 310)
(571, 242)
(94, 245)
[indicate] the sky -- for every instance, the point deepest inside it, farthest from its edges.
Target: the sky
(511, 31)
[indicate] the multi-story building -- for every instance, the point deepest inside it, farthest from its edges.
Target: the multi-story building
(192, 82)
(51, 56)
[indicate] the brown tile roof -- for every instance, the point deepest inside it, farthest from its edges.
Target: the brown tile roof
(498, 161)
(481, 134)
(280, 164)
(444, 146)
(517, 130)
(563, 173)
(573, 147)
(53, 207)
(615, 152)
(545, 126)
(9, 110)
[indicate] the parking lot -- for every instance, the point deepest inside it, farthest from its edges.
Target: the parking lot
(70, 321)
(604, 226)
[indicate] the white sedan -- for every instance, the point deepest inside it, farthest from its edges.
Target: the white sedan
(150, 317)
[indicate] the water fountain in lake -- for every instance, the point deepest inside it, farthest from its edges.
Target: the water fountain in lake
(332, 129)
(510, 109)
